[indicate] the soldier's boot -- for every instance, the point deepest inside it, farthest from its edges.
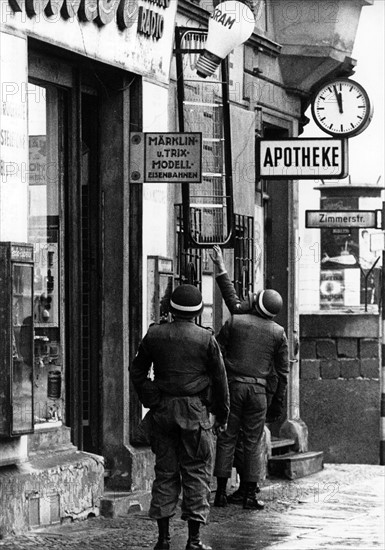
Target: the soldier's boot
(194, 542)
(237, 496)
(164, 534)
(250, 501)
(220, 495)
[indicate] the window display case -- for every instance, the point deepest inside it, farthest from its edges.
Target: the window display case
(160, 283)
(16, 338)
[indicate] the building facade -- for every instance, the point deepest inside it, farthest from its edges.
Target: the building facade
(80, 81)
(340, 330)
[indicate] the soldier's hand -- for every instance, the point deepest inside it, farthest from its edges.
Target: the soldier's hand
(219, 427)
(217, 258)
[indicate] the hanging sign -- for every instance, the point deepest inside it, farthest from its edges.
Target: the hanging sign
(312, 158)
(166, 157)
(341, 218)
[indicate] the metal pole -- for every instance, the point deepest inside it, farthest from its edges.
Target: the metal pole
(293, 394)
(382, 374)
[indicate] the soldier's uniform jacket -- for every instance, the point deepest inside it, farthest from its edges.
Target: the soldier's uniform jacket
(186, 359)
(258, 345)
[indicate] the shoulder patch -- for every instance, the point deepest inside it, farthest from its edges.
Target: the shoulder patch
(157, 323)
(206, 328)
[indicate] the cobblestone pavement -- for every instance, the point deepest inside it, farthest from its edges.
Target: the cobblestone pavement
(340, 508)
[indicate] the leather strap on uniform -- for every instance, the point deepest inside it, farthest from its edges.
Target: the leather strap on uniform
(248, 380)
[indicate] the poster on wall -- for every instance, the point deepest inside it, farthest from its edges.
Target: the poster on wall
(37, 160)
(332, 289)
(259, 244)
(339, 247)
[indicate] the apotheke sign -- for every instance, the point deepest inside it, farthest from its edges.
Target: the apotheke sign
(312, 158)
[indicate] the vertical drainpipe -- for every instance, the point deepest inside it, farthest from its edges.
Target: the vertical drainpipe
(382, 374)
(294, 427)
(293, 313)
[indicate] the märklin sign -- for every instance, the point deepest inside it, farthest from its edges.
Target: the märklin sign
(169, 157)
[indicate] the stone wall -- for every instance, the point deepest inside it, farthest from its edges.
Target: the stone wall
(56, 483)
(340, 385)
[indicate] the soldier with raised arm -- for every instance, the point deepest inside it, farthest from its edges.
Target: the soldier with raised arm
(255, 348)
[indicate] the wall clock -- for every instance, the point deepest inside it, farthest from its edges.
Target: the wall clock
(342, 108)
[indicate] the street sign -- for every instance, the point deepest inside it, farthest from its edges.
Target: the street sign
(312, 158)
(341, 218)
(166, 157)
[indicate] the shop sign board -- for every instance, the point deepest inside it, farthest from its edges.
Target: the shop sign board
(307, 158)
(168, 157)
(341, 218)
(135, 35)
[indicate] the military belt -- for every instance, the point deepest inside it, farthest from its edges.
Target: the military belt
(248, 380)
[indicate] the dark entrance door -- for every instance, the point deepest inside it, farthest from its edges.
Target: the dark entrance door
(89, 264)
(276, 204)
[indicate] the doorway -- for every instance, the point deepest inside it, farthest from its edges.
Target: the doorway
(276, 233)
(91, 272)
(64, 226)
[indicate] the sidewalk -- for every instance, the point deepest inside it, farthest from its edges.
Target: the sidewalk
(340, 508)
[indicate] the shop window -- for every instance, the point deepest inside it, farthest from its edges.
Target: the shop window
(350, 264)
(208, 282)
(203, 107)
(194, 265)
(45, 172)
(16, 342)
(188, 260)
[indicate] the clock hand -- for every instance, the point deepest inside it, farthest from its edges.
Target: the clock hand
(339, 99)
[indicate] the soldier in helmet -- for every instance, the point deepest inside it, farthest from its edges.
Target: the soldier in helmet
(254, 347)
(187, 362)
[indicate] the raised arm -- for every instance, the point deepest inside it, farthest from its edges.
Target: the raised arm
(226, 286)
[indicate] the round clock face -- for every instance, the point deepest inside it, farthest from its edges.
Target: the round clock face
(342, 108)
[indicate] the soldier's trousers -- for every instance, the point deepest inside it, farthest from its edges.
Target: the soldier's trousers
(182, 441)
(247, 412)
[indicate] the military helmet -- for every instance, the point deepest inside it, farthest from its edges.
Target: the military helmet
(268, 303)
(186, 301)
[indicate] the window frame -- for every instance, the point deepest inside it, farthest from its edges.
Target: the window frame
(190, 239)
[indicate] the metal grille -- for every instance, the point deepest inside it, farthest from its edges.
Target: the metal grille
(188, 260)
(243, 254)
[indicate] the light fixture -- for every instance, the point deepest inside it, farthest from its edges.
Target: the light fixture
(230, 25)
